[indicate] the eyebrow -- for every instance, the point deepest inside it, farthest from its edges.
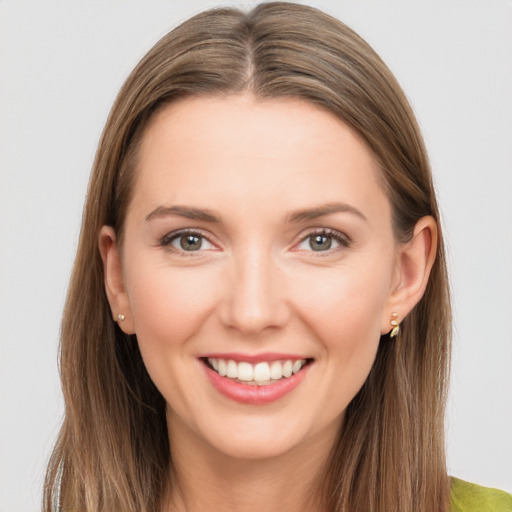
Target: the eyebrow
(184, 211)
(322, 210)
(298, 216)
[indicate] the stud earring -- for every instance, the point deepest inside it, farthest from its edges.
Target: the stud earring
(120, 317)
(396, 326)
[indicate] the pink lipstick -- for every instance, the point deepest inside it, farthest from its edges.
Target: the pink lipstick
(255, 380)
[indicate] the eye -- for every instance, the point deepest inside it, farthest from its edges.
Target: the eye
(324, 240)
(186, 241)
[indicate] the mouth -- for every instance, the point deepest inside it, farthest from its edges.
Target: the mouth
(256, 379)
(262, 373)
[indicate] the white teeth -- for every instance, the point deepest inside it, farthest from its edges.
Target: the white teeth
(262, 372)
(276, 370)
(245, 371)
(297, 365)
(231, 369)
(259, 374)
(287, 369)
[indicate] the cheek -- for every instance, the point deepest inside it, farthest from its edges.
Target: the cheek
(169, 304)
(345, 304)
(344, 312)
(348, 327)
(169, 307)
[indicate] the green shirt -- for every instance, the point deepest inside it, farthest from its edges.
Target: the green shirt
(467, 497)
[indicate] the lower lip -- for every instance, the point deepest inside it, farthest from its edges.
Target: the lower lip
(255, 395)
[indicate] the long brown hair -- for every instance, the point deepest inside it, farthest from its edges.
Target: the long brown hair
(113, 452)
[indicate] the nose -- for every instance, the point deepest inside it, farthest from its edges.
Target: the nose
(255, 297)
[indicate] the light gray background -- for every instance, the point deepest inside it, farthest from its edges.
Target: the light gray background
(61, 64)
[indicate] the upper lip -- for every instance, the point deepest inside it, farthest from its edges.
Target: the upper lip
(254, 358)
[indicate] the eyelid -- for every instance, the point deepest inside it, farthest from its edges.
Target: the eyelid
(343, 240)
(166, 241)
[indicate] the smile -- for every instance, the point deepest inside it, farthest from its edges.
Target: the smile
(260, 374)
(258, 382)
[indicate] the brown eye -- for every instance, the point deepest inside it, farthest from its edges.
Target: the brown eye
(323, 241)
(190, 242)
(186, 241)
(320, 242)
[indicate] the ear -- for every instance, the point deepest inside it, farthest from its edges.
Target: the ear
(114, 282)
(414, 263)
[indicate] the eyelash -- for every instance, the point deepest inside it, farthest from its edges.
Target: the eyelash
(342, 240)
(167, 240)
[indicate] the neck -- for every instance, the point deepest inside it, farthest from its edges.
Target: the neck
(204, 478)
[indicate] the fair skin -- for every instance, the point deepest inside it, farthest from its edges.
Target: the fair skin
(258, 279)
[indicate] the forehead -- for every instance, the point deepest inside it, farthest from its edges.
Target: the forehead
(277, 125)
(241, 149)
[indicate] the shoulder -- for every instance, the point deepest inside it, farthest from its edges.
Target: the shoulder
(468, 497)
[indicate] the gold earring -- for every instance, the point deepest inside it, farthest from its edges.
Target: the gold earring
(121, 317)
(396, 326)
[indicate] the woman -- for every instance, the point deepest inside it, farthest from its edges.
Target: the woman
(259, 313)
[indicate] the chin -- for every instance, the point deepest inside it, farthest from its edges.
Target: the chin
(254, 447)
(241, 435)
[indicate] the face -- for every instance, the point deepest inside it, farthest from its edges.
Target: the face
(258, 243)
